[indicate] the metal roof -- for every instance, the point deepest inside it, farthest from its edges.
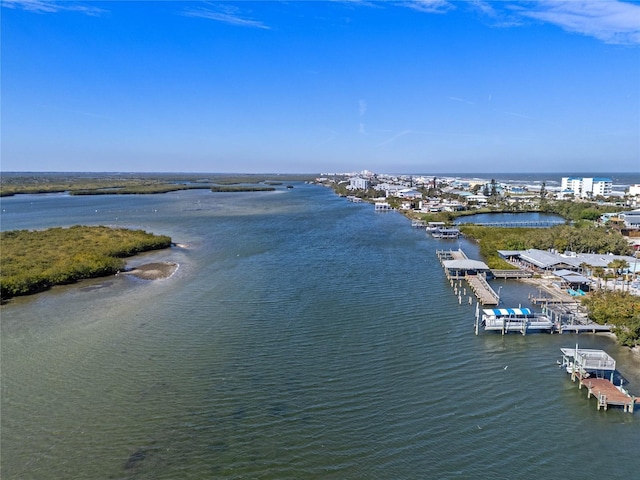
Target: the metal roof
(465, 264)
(571, 277)
(540, 258)
(509, 253)
(590, 359)
(544, 259)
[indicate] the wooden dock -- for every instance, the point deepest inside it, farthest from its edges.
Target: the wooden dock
(511, 274)
(482, 290)
(606, 393)
(590, 368)
(539, 224)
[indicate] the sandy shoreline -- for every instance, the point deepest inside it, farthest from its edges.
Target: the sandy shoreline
(154, 271)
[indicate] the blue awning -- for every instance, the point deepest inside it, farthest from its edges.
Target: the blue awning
(505, 312)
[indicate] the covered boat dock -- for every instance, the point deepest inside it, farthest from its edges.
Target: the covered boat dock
(507, 320)
(457, 266)
(595, 369)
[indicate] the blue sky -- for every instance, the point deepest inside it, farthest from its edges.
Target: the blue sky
(428, 86)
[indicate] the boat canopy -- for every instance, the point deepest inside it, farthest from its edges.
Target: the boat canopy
(506, 312)
(590, 359)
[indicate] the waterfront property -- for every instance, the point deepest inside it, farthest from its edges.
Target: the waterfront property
(549, 261)
(596, 370)
(561, 312)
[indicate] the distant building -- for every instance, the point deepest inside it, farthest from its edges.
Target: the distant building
(477, 198)
(358, 183)
(409, 193)
(634, 190)
(587, 187)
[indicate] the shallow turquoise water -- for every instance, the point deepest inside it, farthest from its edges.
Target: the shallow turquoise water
(302, 337)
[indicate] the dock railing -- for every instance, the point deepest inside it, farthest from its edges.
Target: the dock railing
(483, 281)
(511, 274)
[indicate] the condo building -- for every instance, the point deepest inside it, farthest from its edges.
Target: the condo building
(587, 187)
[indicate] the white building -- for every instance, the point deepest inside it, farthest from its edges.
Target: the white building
(587, 187)
(409, 193)
(634, 190)
(358, 183)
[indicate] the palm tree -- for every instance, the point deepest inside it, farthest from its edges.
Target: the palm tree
(584, 268)
(598, 272)
(618, 265)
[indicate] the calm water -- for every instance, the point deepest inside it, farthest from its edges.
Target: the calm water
(532, 218)
(302, 337)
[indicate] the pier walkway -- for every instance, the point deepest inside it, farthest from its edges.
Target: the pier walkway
(606, 393)
(541, 224)
(511, 274)
(482, 290)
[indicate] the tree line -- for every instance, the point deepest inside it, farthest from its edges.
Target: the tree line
(617, 308)
(127, 183)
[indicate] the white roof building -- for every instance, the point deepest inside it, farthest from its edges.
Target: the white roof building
(587, 187)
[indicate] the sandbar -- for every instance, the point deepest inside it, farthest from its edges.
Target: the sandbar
(153, 271)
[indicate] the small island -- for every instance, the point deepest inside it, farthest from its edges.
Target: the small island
(239, 188)
(34, 261)
(16, 183)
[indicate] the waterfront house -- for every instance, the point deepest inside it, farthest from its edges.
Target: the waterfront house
(631, 219)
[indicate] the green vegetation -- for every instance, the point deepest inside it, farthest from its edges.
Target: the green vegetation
(141, 189)
(239, 188)
(94, 184)
(127, 183)
(32, 261)
(576, 211)
(620, 309)
(582, 238)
